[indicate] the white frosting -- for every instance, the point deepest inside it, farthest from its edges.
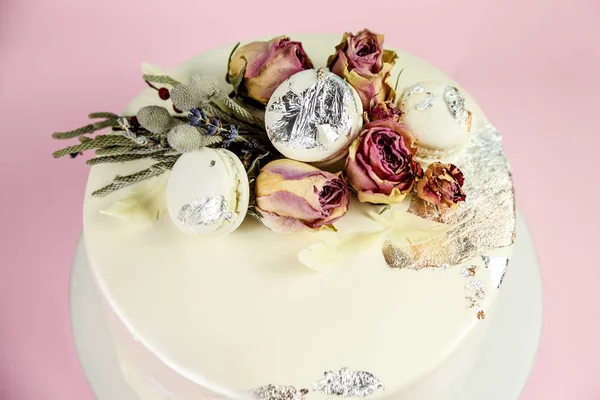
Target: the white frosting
(231, 313)
(427, 115)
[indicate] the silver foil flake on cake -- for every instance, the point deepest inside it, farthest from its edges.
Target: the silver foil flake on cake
(348, 383)
(278, 392)
(485, 221)
(475, 289)
(456, 104)
(204, 211)
(316, 117)
(497, 267)
(486, 260)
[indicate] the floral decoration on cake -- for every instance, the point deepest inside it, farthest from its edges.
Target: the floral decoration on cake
(291, 145)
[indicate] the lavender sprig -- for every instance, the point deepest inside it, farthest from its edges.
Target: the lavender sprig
(231, 135)
(197, 117)
(214, 126)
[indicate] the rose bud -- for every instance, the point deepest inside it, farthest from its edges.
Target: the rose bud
(292, 196)
(257, 68)
(363, 62)
(442, 185)
(385, 110)
(380, 165)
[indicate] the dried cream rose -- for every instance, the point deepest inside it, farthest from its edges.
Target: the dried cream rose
(257, 68)
(292, 196)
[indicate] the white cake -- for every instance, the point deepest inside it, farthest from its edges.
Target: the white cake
(219, 316)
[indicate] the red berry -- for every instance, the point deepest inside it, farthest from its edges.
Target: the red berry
(133, 121)
(177, 110)
(163, 93)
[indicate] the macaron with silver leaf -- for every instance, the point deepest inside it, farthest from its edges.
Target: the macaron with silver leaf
(441, 119)
(208, 190)
(314, 116)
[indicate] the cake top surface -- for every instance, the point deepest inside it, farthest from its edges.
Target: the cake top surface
(239, 311)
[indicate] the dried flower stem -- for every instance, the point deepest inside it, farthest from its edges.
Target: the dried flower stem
(230, 119)
(89, 143)
(239, 111)
(122, 158)
(164, 79)
(116, 150)
(110, 119)
(168, 158)
(120, 182)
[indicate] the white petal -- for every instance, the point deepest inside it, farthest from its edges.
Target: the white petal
(145, 203)
(325, 255)
(407, 228)
(151, 69)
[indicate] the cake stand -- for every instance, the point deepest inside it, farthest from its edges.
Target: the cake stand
(500, 373)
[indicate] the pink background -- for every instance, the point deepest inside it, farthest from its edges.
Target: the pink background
(534, 67)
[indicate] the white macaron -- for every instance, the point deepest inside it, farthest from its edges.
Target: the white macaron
(440, 117)
(208, 192)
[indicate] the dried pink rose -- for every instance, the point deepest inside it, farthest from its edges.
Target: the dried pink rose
(385, 110)
(366, 65)
(380, 164)
(257, 68)
(292, 196)
(442, 185)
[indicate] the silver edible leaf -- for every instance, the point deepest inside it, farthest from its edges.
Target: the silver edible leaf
(498, 267)
(475, 289)
(456, 103)
(204, 211)
(417, 89)
(277, 392)
(425, 104)
(485, 221)
(347, 383)
(316, 117)
(413, 89)
(486, 260)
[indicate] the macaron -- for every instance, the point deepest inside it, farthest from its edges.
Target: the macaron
(208, 192)
(440, 117)
(314, 116)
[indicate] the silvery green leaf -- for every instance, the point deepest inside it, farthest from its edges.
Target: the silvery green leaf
(347, 383)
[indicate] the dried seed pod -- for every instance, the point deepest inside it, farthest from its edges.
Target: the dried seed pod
(184, 98)
(156, 119)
